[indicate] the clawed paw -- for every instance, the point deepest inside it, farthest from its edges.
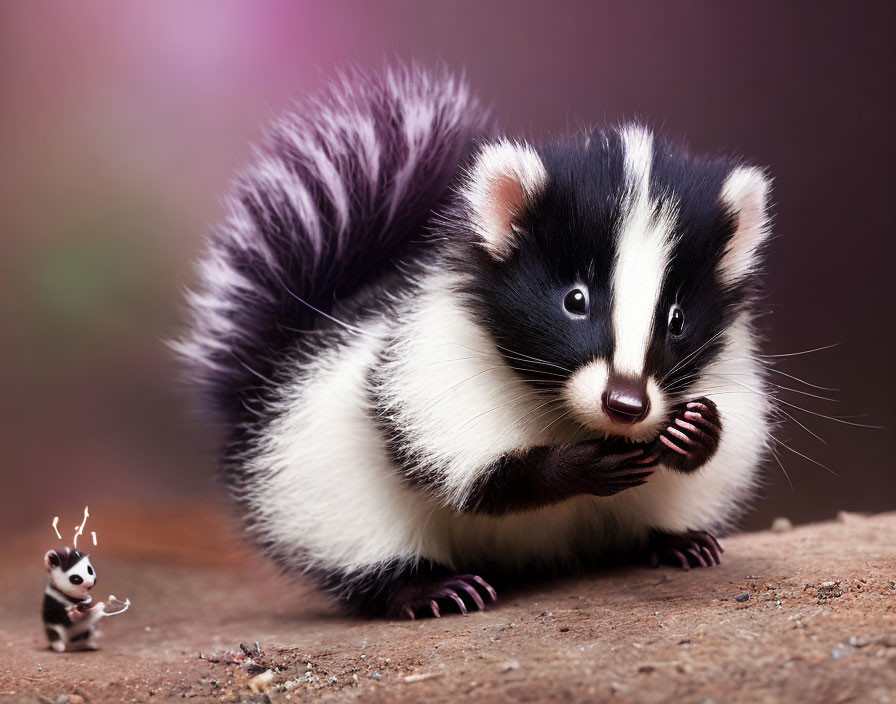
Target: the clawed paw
(464, 593)
(694, 548)
(692, 436)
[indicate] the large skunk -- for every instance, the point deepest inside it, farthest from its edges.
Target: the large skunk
(440, 356)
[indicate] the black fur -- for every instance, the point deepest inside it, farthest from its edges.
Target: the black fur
(568, 240)
(54, 611)
(373, 592)
(283, 263)
(336, 196)
(66, 559)
(546, 475)
(699, 444)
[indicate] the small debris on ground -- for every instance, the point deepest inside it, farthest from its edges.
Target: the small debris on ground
(261, 682)
(781, 524)
(622, 631)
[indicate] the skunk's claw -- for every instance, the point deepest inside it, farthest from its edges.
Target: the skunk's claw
(692, 436)
(460, 591)
(694, 548)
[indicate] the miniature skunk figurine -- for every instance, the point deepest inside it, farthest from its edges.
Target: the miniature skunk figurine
(69, 616)
(440, 356)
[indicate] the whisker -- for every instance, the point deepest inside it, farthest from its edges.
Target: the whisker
(806, 410)
(831, 418)
(805, 457)
(250, 369)
(774, 454)
(445, 392)
(771, 448)
(347, 326)
(558, 418)
(514, 355)
(774, 400)
(534, 359)
(504, 366)
(802, 381)
(805, 393)
(499, 406)
(796, 354)
(438, 399)
(690, 356)
(519, 422)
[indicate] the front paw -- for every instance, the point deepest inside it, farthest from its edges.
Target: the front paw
(605, 468)
(692, 436)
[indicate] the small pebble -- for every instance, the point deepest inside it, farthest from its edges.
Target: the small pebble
(261, 681)
(781, 524)
(742, 597)
(75, 699)
(842, 650)
(509, 665)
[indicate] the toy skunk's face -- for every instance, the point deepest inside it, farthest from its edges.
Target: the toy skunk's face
(615, 271)
(70, 572)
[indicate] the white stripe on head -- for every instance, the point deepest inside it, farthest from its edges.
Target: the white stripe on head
(643, 247)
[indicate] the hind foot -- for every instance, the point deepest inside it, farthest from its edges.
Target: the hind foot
(694, 548)
(427, 598)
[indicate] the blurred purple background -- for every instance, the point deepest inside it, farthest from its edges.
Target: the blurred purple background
(121, 124)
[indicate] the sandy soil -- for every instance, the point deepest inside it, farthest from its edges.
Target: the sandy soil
(803, 615)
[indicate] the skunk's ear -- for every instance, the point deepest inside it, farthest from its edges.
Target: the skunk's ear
(504, 179)
(51, 559)
(745, 193)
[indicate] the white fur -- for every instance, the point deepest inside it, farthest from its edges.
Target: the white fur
(585, 389)
(458, 402)
(486, 191)
(370, 145)
(711, 497)
(327, 493)
(745, 192)
(60, 581)
(642, 255)
(60, 589)
(324, 483)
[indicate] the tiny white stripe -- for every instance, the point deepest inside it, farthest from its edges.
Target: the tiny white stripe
(642, 255)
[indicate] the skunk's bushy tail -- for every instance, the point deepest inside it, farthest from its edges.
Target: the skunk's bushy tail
(340, 188)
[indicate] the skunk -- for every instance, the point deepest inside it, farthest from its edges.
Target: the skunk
(440, 356)
(69, 616)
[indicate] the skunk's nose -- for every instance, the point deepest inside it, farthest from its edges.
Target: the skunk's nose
(625, 399)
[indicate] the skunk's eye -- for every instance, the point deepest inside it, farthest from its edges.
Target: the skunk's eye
(676, 320)
(90, 570)
(576, 302)
(76, 579)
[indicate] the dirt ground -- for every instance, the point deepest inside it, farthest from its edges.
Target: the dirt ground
(808, 614)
